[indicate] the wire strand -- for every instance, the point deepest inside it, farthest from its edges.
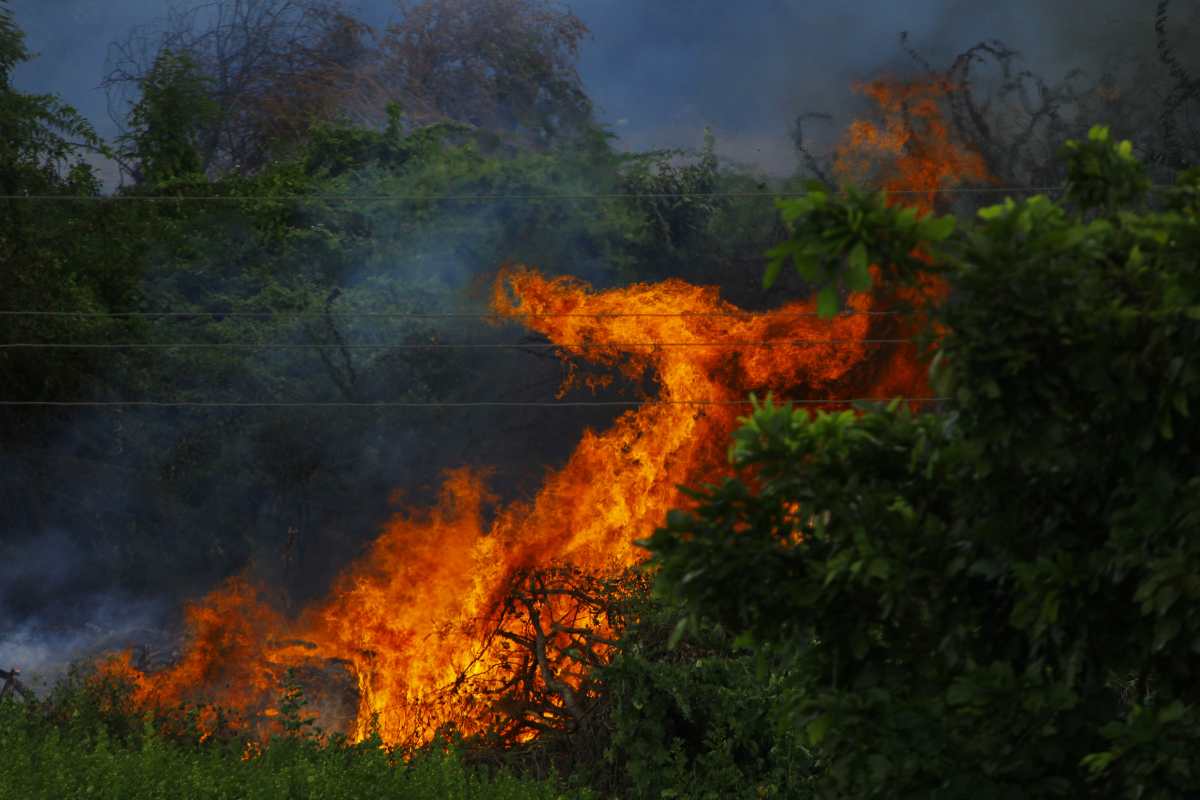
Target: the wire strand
(466, 404)
(419, 345)
(475, 198)
(515, 317)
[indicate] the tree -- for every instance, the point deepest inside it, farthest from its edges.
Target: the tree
(1014, 118)
(271, 69)
(995, 600)
(49, 263)
(167, 125)
(506, 66)
(257, 61)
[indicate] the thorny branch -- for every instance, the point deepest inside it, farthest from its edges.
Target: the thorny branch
(557, 626)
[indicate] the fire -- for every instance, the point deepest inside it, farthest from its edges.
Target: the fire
(416, 618)
(913, 143)
(441, 616)
(912, 156)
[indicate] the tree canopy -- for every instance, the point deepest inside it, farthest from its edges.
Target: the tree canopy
(997, 599)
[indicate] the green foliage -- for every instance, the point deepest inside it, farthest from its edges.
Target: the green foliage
(41, 759)
(673, 199)
(41, 139)
(695, 721)
(998, 600)
(84, 739)
(834, 242)
(1101, 175)
(55, 255)
(167, 123)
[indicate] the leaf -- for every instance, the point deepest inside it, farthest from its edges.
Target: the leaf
(858, 277)
(906, 218)
(816, 729)
(1095, 763)
(1172, 713)
(960, 693)
(679, 520)
(827, 302)
(806, 265)
(772, 273)
(1164, 632)
(935, 229)
(1165, 598)
(677, 633)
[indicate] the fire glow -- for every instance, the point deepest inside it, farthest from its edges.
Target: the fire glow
(423, 622)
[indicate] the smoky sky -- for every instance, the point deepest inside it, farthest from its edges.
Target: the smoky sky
(661, 70)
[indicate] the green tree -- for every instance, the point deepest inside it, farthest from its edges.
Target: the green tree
(999, 599)
(56, 255)
(168, 122)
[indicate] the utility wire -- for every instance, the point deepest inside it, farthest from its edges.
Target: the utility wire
(474, 404)
(516, 316)
(418, 345)
(473, 198)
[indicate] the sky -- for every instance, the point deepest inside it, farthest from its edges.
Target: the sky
(660, 70)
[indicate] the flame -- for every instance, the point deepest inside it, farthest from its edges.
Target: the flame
(416, 617)
(911, 155)
(428, 622)
(912, 144)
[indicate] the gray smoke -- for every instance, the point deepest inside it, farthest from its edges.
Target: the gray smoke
(660, 71)
(56, 608)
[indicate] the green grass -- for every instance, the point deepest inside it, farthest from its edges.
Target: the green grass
(74, 752)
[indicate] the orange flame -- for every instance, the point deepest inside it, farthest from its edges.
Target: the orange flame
(421, 621)
(918, 155)
(413, 616)
(912, 156)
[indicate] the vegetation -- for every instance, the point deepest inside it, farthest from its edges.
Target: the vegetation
(75, 747)
(995, 599)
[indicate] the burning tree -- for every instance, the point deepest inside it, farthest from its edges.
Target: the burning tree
(1012, 120)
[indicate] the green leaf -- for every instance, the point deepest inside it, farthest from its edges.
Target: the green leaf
(677, 633)
(1164, 632)
(858, 277)
(936, 229)
(816, 729)
(807, 265)
(828, 302)
(679, 520)
(772, 273)
(1095, 763)
(1172, 712)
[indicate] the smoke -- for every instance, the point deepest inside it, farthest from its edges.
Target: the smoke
(660, 71)
(668, 68)
(57, 606)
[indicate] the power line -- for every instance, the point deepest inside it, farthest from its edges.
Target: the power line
(516, 316)
(440, 404)
(475, 198)
(419, 345)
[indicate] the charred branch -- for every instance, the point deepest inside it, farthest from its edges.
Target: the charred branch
(12, 684)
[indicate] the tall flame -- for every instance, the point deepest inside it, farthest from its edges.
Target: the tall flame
(419, 621)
